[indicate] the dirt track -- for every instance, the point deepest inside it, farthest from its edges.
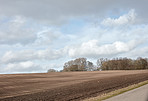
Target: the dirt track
(65, 86)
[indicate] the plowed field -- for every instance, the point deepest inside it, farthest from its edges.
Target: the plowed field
(65, 86)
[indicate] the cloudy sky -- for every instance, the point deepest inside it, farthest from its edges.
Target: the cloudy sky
(36, 35)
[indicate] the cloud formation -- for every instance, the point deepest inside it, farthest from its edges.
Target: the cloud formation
(35, 34)
(29, 55)
(16, 30)
(57, 12)
(92, 49)
(23, 67)
(122, 20)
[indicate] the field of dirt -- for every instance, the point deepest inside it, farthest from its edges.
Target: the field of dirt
(65, 86)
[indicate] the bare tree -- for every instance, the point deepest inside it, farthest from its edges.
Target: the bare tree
(79, 64)
(52, 70)
(123, 64)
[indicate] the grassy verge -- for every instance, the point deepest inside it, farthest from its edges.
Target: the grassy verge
(117, 92)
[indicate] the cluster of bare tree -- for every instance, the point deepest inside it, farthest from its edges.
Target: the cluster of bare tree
(80, 64)
(123, 64)
(52, 70)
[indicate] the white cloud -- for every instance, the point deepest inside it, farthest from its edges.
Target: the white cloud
(48, 36)
(15, 30)
(92, 49)
(138, 52)
(26, 66)
(26, 40)
(21, 30)
(122, 20)
(29, 55)
(55, 12)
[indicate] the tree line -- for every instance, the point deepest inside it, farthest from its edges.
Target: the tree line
(123, 64)
(81, 64)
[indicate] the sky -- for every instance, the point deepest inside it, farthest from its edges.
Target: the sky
(37, 35)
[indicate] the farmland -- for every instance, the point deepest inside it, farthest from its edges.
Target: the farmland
(65, 86)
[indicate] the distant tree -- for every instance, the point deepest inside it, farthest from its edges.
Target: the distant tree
(101, 61)
(79, 64)
(61, 71)
(90, 66)
(141, 63)
(123, 64)
(52, 70)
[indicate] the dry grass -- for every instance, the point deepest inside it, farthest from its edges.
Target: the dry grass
(116, 92)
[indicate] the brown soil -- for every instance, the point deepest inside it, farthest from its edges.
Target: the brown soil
(65, 86)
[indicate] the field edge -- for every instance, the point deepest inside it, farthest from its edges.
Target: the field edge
(117, 92)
